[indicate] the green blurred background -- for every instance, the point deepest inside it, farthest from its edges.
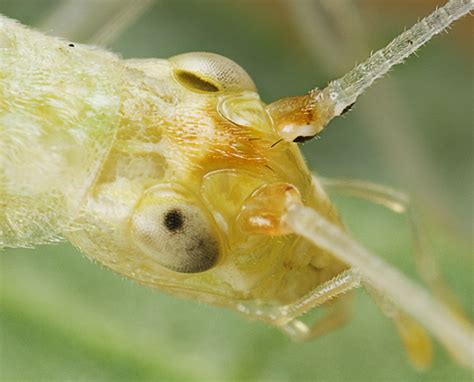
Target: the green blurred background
(66, 318)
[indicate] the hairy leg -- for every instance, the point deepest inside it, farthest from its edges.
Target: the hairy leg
(337, 315)
(285, 316)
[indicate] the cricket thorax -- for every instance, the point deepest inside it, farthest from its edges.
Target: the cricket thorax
(58, 111)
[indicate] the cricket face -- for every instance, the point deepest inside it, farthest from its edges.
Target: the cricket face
(229, 156)
(210, 213)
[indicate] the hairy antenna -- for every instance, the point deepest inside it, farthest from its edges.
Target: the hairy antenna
(344, 91)
(300, 118)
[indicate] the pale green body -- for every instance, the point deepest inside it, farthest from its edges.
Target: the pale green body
(57, 123)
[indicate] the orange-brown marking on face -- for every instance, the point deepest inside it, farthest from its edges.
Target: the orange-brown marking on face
(236, 146)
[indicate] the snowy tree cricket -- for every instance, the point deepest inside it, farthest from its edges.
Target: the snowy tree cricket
(170, 180)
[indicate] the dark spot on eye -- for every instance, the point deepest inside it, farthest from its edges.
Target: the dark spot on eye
(71, 45)
(173, 220)
(347, 108)
(192, 81)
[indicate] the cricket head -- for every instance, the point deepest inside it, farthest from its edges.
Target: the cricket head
(197, 181)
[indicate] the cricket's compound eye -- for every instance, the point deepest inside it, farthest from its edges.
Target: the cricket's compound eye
(210, 73)
(175, 232)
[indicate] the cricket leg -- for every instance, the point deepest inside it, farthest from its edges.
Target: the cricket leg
(399, 202)
(387, 281)
(285, 316)
(413, 336)
(337, 314)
